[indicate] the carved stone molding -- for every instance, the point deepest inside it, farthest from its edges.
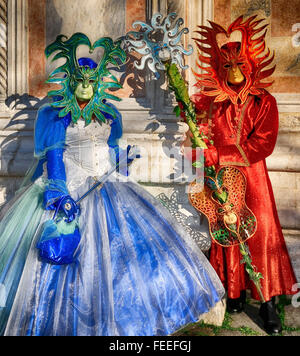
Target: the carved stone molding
(17, 55)
(3, 49)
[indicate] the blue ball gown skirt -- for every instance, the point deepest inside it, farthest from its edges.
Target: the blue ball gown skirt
(135, 272)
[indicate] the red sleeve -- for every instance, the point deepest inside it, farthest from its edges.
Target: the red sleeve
(201, 102)
(260, 144)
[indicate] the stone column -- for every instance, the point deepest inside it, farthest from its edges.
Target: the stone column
(17, 55)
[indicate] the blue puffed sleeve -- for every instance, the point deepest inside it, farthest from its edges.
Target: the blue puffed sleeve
(49, 130)
(49, 140)
(49, 133)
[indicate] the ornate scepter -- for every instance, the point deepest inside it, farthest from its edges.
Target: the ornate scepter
(167, 55)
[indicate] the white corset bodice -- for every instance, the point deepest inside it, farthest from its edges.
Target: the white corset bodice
(87, 152)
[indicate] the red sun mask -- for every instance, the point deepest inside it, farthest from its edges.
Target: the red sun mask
(249, 55)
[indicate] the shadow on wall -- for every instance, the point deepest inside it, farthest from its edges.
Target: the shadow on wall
(164, 123)
(24, 104)
(151, 95)
(166, 126)
(53, 27)
(133, 78)
(16, 143)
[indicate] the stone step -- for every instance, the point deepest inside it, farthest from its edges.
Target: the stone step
(292, 239)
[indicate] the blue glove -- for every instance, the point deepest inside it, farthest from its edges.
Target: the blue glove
(69, 207)
(56, 246)
(117, 154)
(55, 191)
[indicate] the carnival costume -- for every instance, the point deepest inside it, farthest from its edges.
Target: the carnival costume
(134, 272)
(242, 121)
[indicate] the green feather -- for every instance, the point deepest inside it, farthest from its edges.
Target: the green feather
(66, 48)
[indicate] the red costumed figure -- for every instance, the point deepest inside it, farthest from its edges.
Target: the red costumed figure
(241, 117)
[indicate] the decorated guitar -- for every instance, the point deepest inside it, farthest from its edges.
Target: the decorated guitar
(222, 200)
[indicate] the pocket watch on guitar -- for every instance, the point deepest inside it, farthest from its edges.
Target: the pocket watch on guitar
(222, 201)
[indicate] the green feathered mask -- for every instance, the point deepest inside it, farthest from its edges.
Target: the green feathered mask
(73, 74)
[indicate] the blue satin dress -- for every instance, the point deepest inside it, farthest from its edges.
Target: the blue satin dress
(135, 272)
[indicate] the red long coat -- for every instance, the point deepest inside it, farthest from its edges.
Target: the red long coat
(244, 136)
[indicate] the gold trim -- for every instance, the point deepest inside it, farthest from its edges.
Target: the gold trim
(246, 163)
(210, 120)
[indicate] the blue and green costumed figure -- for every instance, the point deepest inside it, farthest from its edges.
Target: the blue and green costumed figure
(120, 265)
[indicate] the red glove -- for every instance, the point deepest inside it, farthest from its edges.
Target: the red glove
(211, 156)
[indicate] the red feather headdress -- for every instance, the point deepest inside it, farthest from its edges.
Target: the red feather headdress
(249, 55)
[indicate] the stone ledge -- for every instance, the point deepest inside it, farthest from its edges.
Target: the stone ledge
(292, 239)
(287, 102)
